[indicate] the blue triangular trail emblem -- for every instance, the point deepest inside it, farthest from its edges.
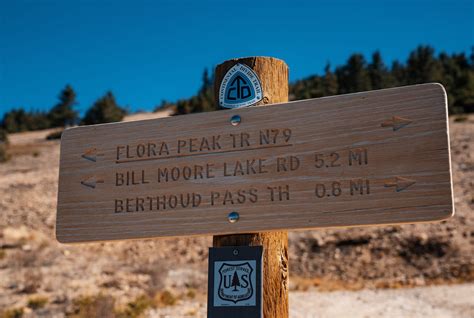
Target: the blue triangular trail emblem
(240, 87)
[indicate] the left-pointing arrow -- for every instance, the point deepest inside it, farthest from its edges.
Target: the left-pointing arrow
(91, 154)
(91, 182)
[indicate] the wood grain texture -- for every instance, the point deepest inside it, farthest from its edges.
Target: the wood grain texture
(273, 75)
(417, 151)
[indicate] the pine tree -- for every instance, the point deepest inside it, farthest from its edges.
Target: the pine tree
(63, 114)
(235, 281)
(398, 73)
(451, 74)
(104, 110)
(463, 90)
(329, 82)
(378, 72)
(18, 120)
(15, 120)
(353, 77)
(205, 99)
(423, 67)
(206, 81)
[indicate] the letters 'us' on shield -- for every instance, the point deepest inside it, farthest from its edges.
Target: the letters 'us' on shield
(377, 157)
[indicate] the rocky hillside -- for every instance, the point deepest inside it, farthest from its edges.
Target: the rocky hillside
(43, 276)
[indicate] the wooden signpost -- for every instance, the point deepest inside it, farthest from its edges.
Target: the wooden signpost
(271, 76)
(378, 157)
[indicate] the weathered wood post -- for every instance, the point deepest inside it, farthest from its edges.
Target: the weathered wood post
(273, 75)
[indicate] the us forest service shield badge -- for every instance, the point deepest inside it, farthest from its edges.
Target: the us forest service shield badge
(235, 282)
(240, 87)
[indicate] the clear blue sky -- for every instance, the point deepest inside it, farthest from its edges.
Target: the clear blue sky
(146, 51)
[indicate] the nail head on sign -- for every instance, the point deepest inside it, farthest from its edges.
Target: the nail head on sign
(235, 120)
(233, 217)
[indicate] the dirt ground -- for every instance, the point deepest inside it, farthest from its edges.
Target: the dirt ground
(452, 301)
(33, 265)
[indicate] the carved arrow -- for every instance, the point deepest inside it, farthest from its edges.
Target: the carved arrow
(396, 122)
(91, 154)
(91, 182)
(400, 183)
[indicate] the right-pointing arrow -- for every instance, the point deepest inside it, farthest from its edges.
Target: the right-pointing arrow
(400, 183)
(91, 182)
(396, 122)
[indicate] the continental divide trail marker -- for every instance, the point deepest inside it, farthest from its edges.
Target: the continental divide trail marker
(377, 157)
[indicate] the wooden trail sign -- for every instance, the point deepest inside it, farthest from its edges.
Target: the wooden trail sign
(378, 157)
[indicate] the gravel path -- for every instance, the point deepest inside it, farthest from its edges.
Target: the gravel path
(455, 301)
(437, 301)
